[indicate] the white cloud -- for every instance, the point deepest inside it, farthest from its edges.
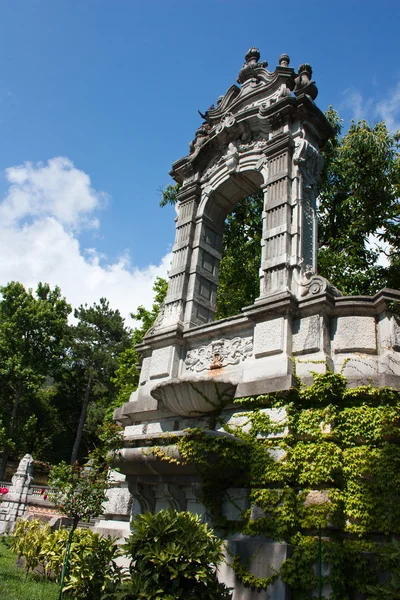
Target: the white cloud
(40, 218)
(389, 109)
(56, 189)
(354, 101)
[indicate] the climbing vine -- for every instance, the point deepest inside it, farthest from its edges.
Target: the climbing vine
(320, 456)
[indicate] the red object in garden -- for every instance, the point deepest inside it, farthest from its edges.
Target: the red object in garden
(3, 491)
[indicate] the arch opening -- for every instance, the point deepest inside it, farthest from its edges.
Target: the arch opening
(234, 213)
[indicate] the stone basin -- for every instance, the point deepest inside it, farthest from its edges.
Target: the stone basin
(190, 397)
(143, 461)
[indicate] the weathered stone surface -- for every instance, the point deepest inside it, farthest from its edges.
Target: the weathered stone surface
(268, 337)
(264, 557)
(194, 397)
(236, 501)
(119, 498)
(396, 333)
(161, 362)
(316, 497)
(354, 334)
(306, 335)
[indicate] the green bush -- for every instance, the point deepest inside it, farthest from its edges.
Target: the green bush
(27, 541)
(91, 568)
(174, 556)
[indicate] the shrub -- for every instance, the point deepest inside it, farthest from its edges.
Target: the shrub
(174, 556)
(92, 566)
(27, 541)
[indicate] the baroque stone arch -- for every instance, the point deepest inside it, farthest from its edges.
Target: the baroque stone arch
(219, 199)
(260, 135)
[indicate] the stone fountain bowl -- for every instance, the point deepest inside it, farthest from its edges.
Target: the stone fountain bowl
(141, 461)
(190, 397)
(164, 459)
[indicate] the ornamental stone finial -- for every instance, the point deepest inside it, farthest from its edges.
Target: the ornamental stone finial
(284, 60)
(252, 55)
(248, 71)
(303, 83)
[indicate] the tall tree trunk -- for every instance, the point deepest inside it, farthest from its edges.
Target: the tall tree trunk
(82, 420)
(10, 430)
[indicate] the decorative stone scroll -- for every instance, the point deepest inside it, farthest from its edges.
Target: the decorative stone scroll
(310, 285)
(218, 354)
(309, 160)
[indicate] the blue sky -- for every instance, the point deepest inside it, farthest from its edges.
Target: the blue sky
(108, 92)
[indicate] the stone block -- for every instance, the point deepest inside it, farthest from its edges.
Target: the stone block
(396, 333)
(118, 502)
(354, 334)
(238, 420)
(316, 497)
(114, 528)
(145, 369)
(132, 430)
(264, 557)
(277, 416)
(193, 503)
(268, 337)
(162, 362)
(154, 429)
(358, 369)
(306, 335)
(236, 501)
(277, 453)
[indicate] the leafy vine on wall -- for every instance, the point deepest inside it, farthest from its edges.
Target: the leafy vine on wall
(332, 462)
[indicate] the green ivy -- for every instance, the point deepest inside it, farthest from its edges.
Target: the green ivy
(332, 462)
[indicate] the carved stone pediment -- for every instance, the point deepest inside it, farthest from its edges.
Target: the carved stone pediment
(218, 354)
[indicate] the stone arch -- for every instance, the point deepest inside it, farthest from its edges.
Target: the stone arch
(258, 136)
(217, 201)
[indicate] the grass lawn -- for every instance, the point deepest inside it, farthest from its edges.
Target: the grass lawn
(14, 586)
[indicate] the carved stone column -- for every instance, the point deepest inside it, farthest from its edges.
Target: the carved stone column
(277, 221)
(179, 274)
(308, 164)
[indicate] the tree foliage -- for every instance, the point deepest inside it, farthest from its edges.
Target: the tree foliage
(98, 339)
(358, 199)
(55, 377)
(33, 330)
(126, 378)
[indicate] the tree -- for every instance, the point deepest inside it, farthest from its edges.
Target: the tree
(98, 338)
(32, 345)
(79, 492)
(358, 199)
(126, 378)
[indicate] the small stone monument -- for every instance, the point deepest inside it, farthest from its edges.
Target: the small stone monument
(14, 504)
